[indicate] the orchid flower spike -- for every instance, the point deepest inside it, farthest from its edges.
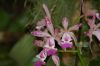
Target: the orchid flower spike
(48, 42)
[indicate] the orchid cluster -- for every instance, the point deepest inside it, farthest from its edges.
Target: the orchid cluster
(63, 36)
(94, 28)
(50, 35)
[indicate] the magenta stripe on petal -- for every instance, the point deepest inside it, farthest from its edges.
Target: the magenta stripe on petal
(40, 34)
(49, 25)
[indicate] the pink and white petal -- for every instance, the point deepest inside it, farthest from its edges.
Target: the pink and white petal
(65, 23)
(50, 43)
(97, 34)
(56, 60)
(39, 43)
(91, 24)
(73, 36)
(98, 16)
(40, 34)
(66, 37)
(39, 27)
(49, 25)
(89, 34)
(75, 27)
(90, 21)
(42, 55)
(47, 11)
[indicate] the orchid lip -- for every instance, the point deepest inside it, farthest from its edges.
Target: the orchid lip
(66, 45)
(39, 63)
(51, 52)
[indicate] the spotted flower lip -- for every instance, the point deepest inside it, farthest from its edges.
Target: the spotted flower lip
(52, 52)
(65, 45)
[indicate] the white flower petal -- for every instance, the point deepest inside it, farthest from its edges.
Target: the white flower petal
(75, 27)
(66, 37)
(98, 16)
(50, 43)
(65, 23)
(47, 11)
(73, 36)
(97, 34)
(49, 25)
(42, 55)
(56, 60)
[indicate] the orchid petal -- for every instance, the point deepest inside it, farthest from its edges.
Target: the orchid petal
(47, 11)
(49, 25)
(98, 16)
(97, 34)
(66, 37)
(40, 34)
(75, 27)
(56, 60)
(65, 23)
(42, 55)
(91, 24)
(66, 44)
(89, 34)
(50, 43)
(51, 51)
(39, 63)
(91, 21)
(73, 36)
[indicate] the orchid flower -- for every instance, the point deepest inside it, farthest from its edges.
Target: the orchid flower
(94, 28)
(67, 34)
(49, 39)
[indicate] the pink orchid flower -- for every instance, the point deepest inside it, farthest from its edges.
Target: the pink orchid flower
(67, 34)
(49, 39)
(94, 28)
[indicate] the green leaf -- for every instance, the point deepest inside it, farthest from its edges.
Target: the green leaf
(23, 51)
(21, 22)
(4, 20)
(95, 62)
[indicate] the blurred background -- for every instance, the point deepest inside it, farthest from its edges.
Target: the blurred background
(18, 19)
